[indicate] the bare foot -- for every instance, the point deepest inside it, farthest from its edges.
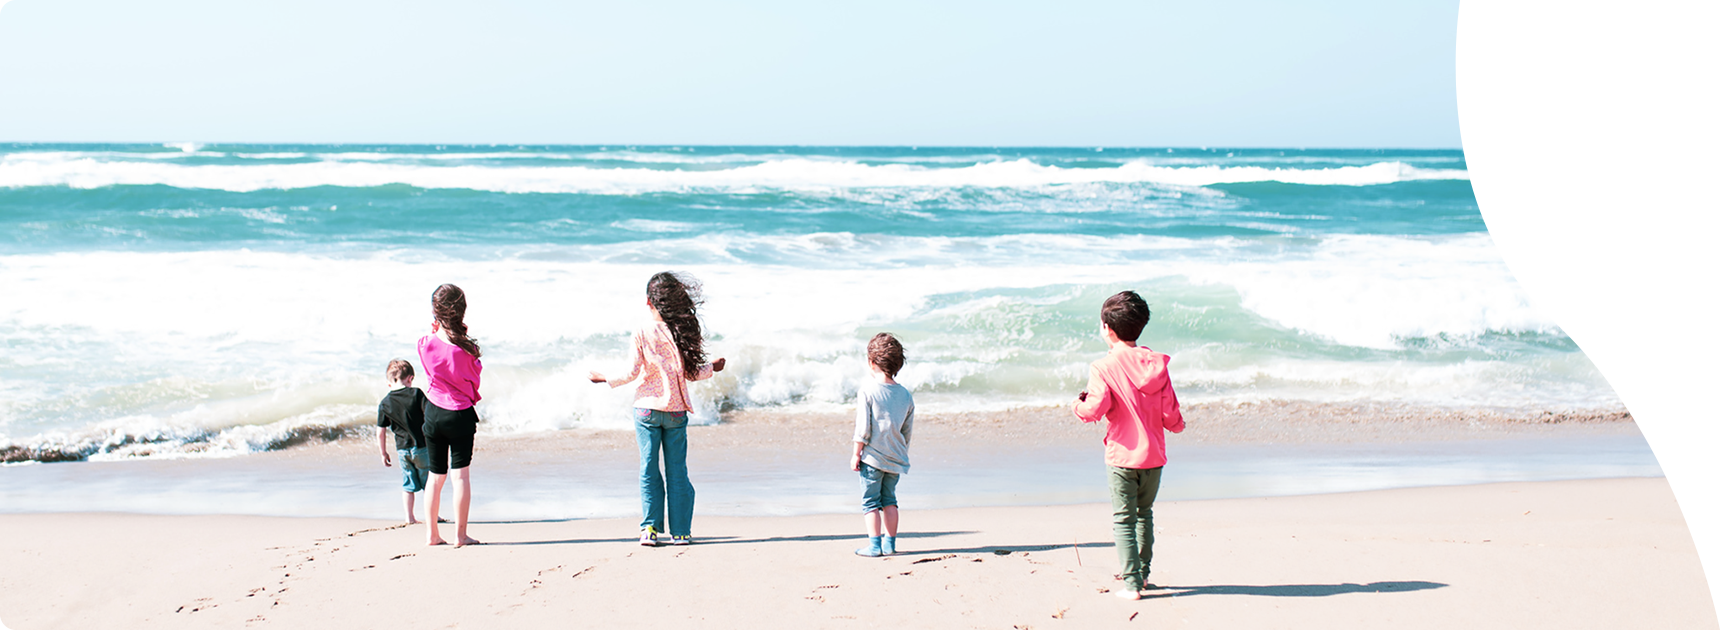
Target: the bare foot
(412, 521)
(437, 540)
(467, 540)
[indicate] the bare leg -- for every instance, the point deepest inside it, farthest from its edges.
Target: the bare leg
(410, 503)
(891, 516)
(872, 523)
(436, 482)
(462, 505)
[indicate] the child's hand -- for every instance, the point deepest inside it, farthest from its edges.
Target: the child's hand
(598, 378)
(717, 366)
(854, 463)
(387, 462)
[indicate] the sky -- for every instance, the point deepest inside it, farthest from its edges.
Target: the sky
(1227, 73)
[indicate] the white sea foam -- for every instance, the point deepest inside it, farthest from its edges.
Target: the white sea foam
(42, 169)
(195, 346)
(1370, 291)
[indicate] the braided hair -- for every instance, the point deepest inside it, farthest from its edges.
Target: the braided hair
(448, 305)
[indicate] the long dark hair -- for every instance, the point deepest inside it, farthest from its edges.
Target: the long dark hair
(448, 305)
(677, 301)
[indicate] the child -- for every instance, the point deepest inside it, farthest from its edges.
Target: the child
(667, 352)
(1131, 389)
(402, 410)
(883, 424)
(450, 360)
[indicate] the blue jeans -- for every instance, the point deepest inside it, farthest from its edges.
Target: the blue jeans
(663, 437)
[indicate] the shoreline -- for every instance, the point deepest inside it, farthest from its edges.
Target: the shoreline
(1268, 421)
(794, 463)
(1572, 554)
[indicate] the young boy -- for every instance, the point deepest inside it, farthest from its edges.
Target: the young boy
(1131, 389)
(402, 410)
(883, 424)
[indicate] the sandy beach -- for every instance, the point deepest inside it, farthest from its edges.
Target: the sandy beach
(1600, 553)
(1576, 554)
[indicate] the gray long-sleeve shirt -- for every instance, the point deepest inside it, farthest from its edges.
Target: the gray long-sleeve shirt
(884, 420)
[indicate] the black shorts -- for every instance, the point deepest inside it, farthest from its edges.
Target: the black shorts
(450, 436)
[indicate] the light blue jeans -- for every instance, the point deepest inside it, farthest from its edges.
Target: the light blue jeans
(663, 438)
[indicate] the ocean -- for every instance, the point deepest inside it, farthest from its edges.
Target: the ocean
(209, 300)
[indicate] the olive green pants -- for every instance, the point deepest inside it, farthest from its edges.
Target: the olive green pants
(1132, 494)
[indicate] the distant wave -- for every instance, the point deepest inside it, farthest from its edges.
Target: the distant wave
(78, 171)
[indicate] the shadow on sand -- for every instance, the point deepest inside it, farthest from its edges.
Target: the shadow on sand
(1293, 590)
(730, 540)
(1001, 550)
(715, 540)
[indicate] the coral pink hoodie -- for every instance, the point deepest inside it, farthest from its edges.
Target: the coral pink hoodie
(1131, 388)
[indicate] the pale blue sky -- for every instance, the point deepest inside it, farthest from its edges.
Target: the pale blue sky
(1321, 73)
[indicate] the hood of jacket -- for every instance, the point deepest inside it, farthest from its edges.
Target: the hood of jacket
(1144, 368)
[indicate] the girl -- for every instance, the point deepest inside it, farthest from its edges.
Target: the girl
(450, 360)
(668, 351)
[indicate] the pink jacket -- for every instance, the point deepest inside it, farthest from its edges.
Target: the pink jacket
(453, 373)
(1131, 388)
(657, 363)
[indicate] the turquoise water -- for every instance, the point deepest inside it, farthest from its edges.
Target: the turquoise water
(198, 300)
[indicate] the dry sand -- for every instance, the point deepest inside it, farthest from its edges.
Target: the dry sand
(1573, 554)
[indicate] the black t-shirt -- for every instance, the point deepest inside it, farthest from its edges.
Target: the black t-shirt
(403, 411)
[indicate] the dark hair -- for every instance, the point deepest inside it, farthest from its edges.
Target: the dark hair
(1125, 314)
(399, 370)
(885, 352)
(677, 301)
(448, 305)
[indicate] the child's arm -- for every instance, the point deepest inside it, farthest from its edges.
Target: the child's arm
(477, 377)
(382, 435)
(908, 426)
(1173, 410)
(382, 442)
(638, 364)
(1097, 399)
(709, 369)
(862, 429)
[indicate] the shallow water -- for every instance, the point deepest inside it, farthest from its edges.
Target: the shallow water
(340, 482)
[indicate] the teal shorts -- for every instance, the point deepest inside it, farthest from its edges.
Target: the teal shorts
(880, 488)
(414, 467)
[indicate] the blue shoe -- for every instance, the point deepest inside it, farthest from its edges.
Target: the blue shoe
(870, 551)
(888, 547)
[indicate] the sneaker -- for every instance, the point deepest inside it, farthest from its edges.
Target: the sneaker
(681, 540)
(648, 537)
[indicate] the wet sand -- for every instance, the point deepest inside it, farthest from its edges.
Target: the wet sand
(1575, 554)
(749, 434)
(778, 462)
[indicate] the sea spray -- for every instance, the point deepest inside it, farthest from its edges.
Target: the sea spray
(228, 299)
